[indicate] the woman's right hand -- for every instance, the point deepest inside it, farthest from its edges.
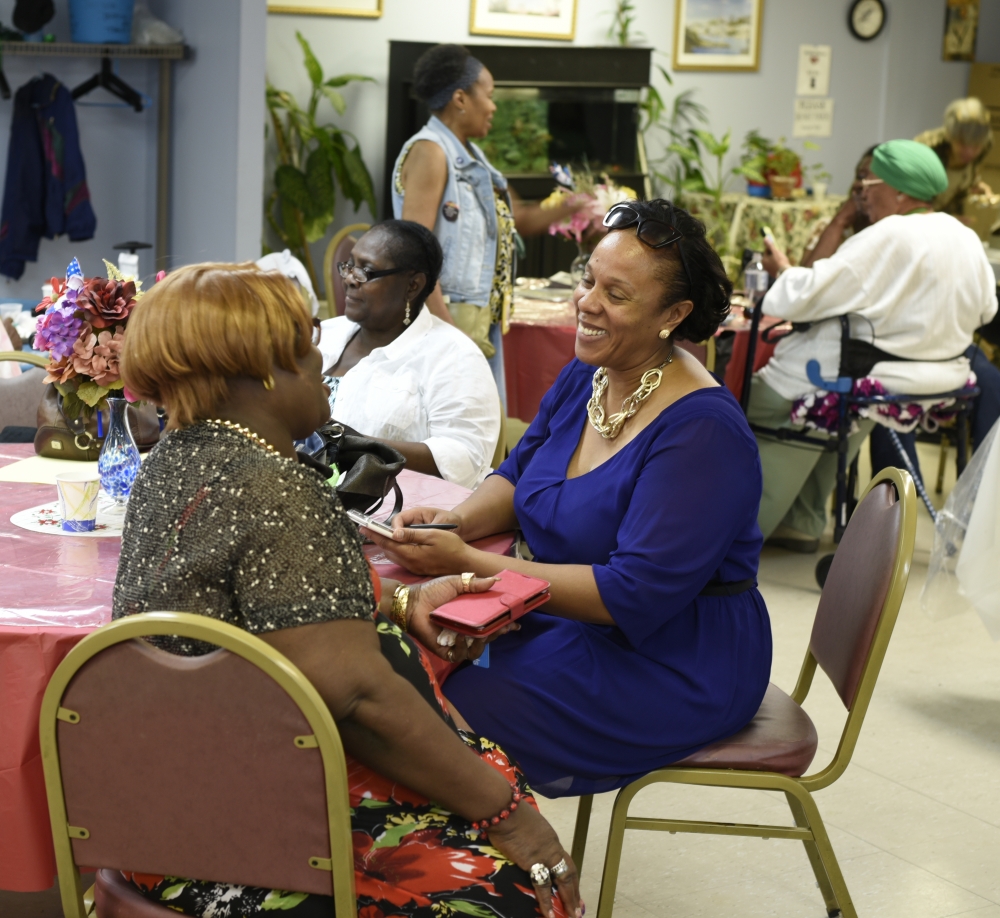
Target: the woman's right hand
(427, 515)
(526, 838)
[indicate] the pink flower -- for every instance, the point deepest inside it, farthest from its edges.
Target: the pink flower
(107, 354)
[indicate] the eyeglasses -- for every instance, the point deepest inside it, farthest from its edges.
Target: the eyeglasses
(868, 182)
(352, 272)
(657, 234)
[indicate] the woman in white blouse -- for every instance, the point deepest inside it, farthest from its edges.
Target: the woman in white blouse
(400, 374)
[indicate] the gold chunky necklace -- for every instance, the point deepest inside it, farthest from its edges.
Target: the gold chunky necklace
(249, 434)
(610, 428)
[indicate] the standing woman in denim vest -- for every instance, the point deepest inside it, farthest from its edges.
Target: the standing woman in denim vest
(442, 180)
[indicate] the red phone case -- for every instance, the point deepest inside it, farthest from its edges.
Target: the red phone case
(480, 614)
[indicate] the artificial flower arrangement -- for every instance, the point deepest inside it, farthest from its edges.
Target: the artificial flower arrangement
(587, 223)
(82, 328)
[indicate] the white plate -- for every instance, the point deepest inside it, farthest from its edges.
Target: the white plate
(46, 518)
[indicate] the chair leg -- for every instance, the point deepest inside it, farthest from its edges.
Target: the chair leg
(613, 857)
(838, 886)
(822, 880)
(942, 461)
(580, 832)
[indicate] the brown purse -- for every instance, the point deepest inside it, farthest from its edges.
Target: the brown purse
(60, 437)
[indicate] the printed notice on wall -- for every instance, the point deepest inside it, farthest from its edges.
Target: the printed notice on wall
(813, 118)
(814, 70)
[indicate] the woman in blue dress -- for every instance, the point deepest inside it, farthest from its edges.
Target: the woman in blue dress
(636, 488)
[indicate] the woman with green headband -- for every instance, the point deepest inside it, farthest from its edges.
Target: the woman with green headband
(917, 285)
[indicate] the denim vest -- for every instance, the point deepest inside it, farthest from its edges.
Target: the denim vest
(466, 224)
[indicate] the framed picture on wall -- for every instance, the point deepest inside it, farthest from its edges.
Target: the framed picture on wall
(553, 19)
(717, 34)
(961, 21)
(369, 8)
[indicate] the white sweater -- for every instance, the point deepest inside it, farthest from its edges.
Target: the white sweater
(923, 282)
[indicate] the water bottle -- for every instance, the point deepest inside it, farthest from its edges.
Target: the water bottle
(757, 279)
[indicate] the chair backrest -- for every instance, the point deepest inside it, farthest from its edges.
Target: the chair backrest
(861, 598)
(339, 249)
(20, 397)
(224, 767)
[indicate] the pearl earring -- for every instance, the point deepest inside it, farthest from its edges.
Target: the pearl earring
(664, 333)
(406, 316)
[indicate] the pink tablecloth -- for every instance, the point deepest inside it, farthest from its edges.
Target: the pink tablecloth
(54, 590)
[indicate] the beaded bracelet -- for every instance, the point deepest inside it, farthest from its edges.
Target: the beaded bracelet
(516, 797)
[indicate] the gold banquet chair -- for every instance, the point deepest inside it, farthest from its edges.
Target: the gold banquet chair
(224, 767)
(851, 631)
(339, 249)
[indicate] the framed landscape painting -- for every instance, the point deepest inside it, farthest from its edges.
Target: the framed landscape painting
(368, 8)
(552, 19)
(717, 34)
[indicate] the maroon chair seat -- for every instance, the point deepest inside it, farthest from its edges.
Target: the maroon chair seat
(780, 738)
(115, 897)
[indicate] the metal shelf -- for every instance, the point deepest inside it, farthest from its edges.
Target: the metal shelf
(80, 49)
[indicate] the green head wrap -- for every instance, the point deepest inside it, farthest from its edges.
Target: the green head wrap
(910, 167)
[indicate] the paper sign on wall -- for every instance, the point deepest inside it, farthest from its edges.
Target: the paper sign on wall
(813, 118)
(814, 70)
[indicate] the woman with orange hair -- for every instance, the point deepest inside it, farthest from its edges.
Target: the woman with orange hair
(226, 520)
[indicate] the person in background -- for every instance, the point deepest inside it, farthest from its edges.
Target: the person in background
(849, 219)
(442, 180)
(962, 143)
(919, 284)
(219, 522)
(400, 374)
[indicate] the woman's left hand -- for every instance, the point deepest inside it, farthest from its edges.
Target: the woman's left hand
(426, 597)
(424, 551)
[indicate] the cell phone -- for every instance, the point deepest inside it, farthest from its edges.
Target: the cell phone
(370, 523)
(433, 526)
(767, 233)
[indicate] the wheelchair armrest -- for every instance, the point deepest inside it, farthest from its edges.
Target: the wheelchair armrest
(842, 384)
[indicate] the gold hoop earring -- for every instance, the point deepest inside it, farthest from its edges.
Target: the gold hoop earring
(269, 382)
(406, 317)
(664, 333)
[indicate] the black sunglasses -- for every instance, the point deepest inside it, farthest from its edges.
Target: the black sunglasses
(657, 234)
(350, 271)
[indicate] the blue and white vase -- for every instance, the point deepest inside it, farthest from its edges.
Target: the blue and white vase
(118, 463)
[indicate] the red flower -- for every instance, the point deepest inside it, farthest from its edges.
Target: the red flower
(108, 301)
(417, 867)
(58, 289)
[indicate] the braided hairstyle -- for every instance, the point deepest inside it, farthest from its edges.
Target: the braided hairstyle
(414, 247)
(437, 69)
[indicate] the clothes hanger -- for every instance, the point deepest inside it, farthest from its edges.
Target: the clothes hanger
(110, 81)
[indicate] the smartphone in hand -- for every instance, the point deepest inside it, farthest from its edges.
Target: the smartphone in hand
(370, 523)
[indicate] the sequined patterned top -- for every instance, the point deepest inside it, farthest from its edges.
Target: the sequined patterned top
(218, 526)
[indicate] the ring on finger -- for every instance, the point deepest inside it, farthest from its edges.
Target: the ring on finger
(540, 875)
(560, 870)
(467, 581)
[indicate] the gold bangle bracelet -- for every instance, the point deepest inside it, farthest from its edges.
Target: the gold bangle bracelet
(400, 601)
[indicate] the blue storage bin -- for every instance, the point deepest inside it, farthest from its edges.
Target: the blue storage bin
(101, 22)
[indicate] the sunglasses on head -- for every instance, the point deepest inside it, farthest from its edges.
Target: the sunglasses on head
(657, 234)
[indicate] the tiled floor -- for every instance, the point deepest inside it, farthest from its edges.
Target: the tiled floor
(915, 821)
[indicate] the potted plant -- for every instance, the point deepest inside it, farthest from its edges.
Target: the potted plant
(753, 164)
(816, 175)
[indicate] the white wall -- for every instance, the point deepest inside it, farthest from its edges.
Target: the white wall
(894, 86)
(217, 149)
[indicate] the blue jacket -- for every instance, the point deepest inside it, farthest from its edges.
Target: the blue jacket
(45, 193)
(466, 223)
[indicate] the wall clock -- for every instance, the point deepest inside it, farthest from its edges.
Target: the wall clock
(866, 19)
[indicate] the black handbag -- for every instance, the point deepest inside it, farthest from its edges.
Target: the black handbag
(369, 467)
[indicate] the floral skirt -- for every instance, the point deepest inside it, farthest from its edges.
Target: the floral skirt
(411, 858)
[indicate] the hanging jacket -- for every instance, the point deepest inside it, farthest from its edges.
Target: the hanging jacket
(45, 192)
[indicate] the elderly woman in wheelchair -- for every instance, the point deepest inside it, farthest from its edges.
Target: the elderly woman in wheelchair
(907, 294)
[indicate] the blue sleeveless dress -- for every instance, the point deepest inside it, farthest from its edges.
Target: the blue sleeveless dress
(588, 708)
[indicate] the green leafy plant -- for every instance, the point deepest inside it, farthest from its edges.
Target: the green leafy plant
(313, 159)
(623, 18)
(519, 139)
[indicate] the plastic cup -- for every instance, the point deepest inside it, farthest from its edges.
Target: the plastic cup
(78, 500)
